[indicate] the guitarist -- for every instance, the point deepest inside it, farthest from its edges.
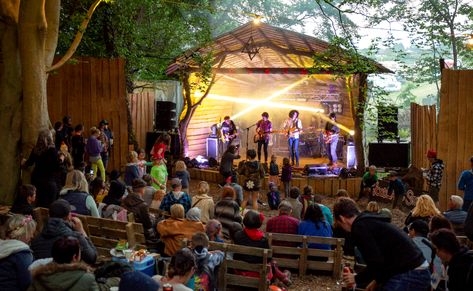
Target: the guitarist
(263, 130)
(331, 138)
(293, 126)
(228, 131)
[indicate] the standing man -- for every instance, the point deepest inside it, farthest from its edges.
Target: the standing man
(434, 175)
(263, 130)
(331, 133)
(465, 184)
(393, 261)
(228, 131)
(106, 137)
(293, 126)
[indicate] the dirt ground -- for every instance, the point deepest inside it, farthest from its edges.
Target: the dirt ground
(310, 282)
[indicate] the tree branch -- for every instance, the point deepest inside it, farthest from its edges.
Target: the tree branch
(52, 10)
(70, 52)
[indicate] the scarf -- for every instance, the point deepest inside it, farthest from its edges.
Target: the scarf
(254, 234)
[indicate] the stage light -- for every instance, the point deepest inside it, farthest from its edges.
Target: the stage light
(351, 132)
(198, 93)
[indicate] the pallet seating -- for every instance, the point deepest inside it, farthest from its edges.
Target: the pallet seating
(104, 233)
(299, 257)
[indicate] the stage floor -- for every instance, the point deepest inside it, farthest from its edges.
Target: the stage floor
(302, 161)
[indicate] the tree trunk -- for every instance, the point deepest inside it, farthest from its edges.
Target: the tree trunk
(184, 122)
(358, 84)
(10, 110)
(31, 40)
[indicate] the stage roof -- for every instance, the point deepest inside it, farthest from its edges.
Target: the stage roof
(280, 51)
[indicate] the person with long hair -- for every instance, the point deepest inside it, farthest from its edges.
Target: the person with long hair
(293, 125)
(254, 173)
(314, 224)
(15, 254)
(183, 174)
(45, 158)
(24, 200)
(132, 171)
(180, 270)
(227, 211)
(204, 202)
(76, 192)
(160, 146)
(425, 209)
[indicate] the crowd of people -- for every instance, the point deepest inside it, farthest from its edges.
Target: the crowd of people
(425, 255)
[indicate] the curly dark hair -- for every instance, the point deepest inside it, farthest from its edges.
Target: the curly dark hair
(181, 263)
(292, 112)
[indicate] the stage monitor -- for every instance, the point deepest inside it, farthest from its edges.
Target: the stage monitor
(389, 154)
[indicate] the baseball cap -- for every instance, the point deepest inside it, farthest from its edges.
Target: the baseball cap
(104, 121)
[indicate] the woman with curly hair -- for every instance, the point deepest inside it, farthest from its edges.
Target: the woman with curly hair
(254, 173)
(425, 209)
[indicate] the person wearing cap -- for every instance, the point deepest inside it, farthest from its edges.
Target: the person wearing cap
(465, 184)
(397, 187)
(62, 223)
(434, 175)
(135, 204)
(176, 196)
(107, 140)
(283, 223)
(455, 214)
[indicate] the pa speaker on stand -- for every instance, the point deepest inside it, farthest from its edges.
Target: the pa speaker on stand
(165, 118)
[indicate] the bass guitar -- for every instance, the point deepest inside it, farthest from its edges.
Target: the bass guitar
(329, 136)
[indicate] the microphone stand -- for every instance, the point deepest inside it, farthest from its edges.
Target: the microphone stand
(247, 135)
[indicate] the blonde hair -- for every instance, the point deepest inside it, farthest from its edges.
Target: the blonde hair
(180, 166)
(372, 207)
(132, 157)
(177, 211)
(75, 180)
(94, 130)
(203, 187)
(425, 207)
(20, 227)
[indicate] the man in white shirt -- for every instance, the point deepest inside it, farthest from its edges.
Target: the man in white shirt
(293, 126)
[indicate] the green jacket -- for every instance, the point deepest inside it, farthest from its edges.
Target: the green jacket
(59, 277)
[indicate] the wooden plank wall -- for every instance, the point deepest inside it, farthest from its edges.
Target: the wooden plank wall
(454, 138)
(142, 108)
(423, 133)
(91, 90)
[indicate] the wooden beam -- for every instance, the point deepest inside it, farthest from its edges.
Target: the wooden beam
(267, 71)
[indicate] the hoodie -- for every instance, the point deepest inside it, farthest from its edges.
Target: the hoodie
(135, 204)
(59, 277)
(387, 250)
(460, 271)
(55, 229)
(253, 172)
(15, 257)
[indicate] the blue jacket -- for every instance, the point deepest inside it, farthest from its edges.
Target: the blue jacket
(131, 173)
(15, 258)
(309, 228)
(466, 184)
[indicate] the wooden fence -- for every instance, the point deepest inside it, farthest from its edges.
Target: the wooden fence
(91, 90)
(142, 108)
(423, 133)
(454, 137)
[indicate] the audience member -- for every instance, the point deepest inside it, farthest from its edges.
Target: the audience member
(67, 130)
(434, 175)
(174, 229)
(159, 174)
(368, 182)
(131, 169)
(286, 176)
(274, 171)
(160, 146)
(135, 204)
(149, 190)
(325, 210)
(227, 211)
(425, 209)
(62, 223)
(253, 172)
(65, 166)
(59, 138)
(108, 274)
(176, 196)
(458, 259)
(205, 276)
(15, 254)
(142, 162)
(180, 270)
(469, 224)
(183, 174)
(213, 229)
(251, 236)
(283, 223)
(396, 187)
(106, 137)
(342, 193)
(65, 272)
(44, 157)
(372, 207)
(24, 200)
(314, 224)
(455, 214)
(393, 261)
(438, 222)
(136, 280)
(157, 199)
(194, 214)
(294, 200)
(98, 190)
(78, 146)
(273, 196)
(226, 163)
(94, 148)
(465, 184)
(238, 189)
(116, 191)
(76, 193)
(204, 202)
(386, 213)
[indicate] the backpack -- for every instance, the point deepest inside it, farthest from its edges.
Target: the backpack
(204, 277)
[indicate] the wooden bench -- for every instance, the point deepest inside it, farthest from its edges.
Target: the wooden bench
(299, 257)
(104, 233)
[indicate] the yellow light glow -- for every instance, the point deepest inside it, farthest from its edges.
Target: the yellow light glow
(469, 42)
(257, 21)
(351, 132)
(198, 93)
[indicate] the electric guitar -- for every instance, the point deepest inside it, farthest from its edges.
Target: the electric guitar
(228, 137)
(328, 136)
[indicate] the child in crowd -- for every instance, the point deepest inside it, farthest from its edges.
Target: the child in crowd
(132, 170)
(213, 229)
(142, 163)
(98, 189)
(159, 175)
(286, 176)
(293, 198)
(158, 197)
(148, 196)
(183, 174)
(24, 201)
(273, 196)
(274, 171)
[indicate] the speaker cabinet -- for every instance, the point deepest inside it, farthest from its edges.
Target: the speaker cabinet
(165, 115)
(151, 138)
(389, 154)
(387, 123)
(212, 148)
